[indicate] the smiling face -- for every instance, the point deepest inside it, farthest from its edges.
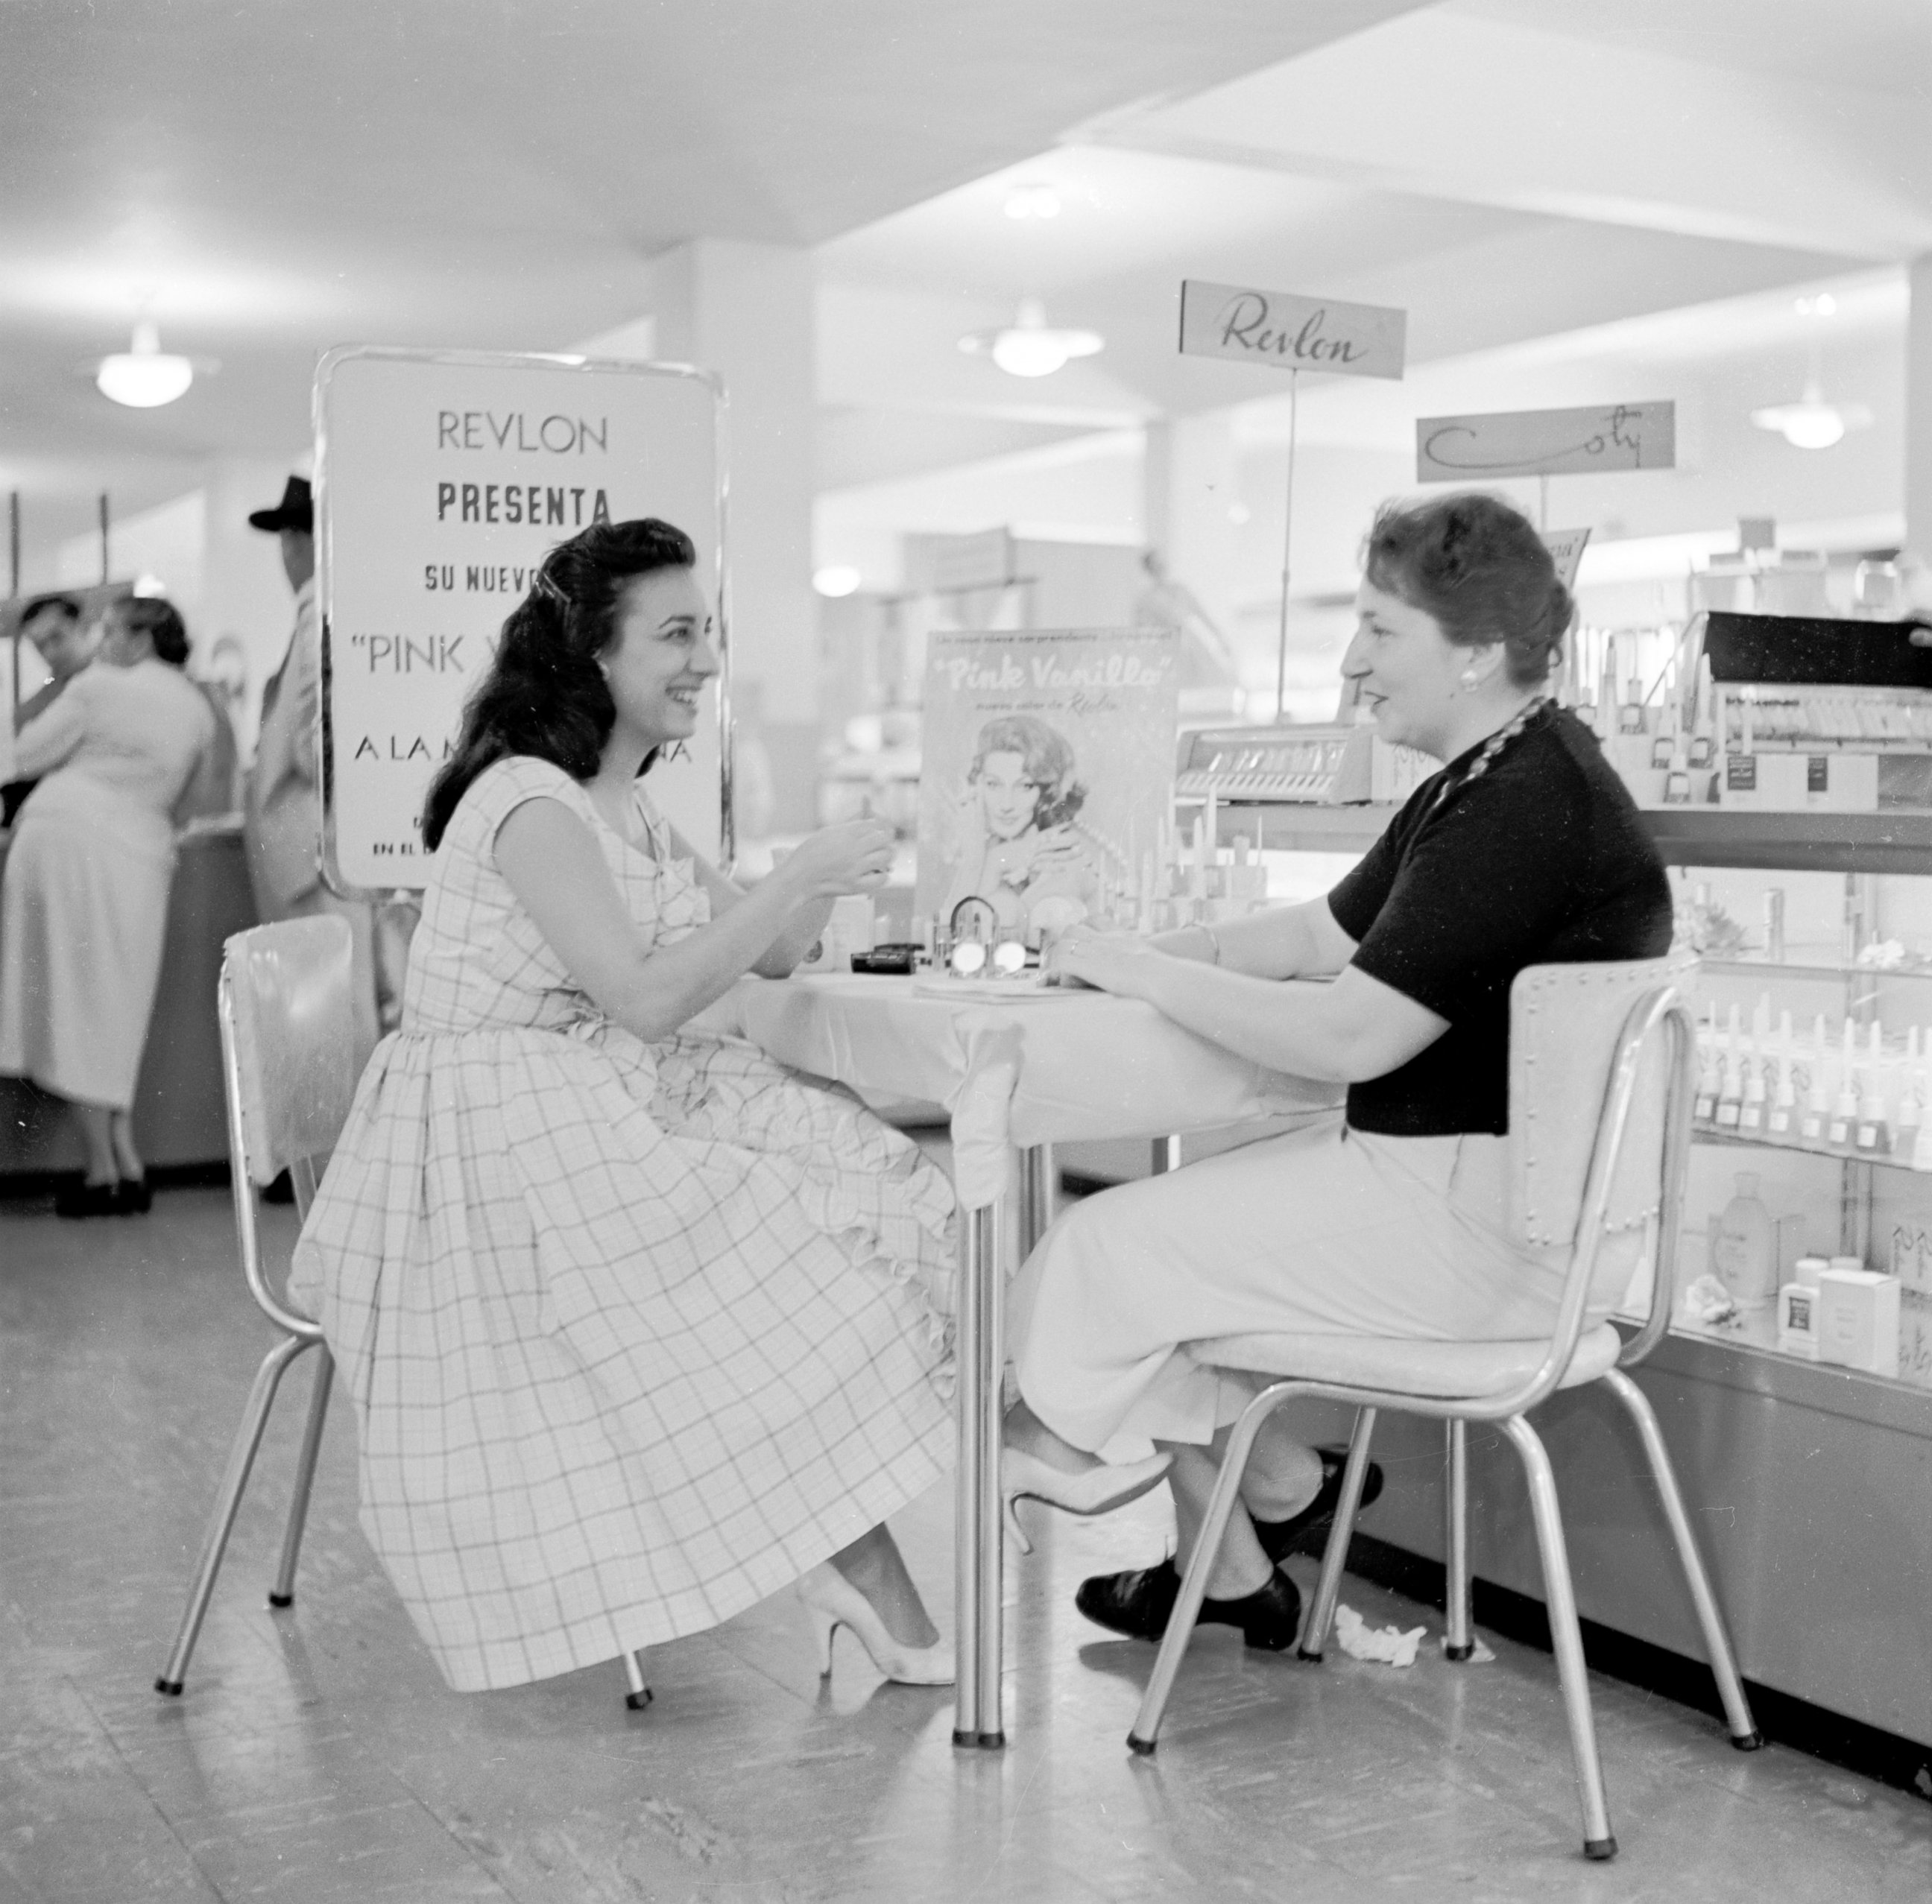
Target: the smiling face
(1008, 797)
(662, 657)
(1410, 673)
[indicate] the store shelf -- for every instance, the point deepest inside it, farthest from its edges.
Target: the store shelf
(1730, 1139)
(1299, 827)
(1893, 842)
(1890, 842)
(1766, 968)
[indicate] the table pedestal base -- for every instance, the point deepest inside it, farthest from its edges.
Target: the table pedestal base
(978, 1720)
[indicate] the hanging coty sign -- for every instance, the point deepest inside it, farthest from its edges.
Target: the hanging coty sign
(1288, 332)
(1463, 449)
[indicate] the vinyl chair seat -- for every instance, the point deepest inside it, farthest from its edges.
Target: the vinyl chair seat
(1443, 1371)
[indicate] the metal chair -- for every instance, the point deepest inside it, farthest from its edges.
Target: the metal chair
(290, 1059)
(1598, 1199)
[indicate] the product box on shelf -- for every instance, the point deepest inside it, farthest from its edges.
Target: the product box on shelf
(1857, 1319)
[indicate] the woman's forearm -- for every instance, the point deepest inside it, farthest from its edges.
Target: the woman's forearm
(1287, 942)
(800, 933)
(1284, 1025)
(670, 984)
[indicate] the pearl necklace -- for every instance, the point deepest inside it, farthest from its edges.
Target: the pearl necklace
(1494, 746)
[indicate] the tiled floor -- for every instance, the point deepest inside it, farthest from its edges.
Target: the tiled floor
(316, 1756)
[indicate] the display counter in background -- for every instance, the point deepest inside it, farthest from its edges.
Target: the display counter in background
(179, 1116)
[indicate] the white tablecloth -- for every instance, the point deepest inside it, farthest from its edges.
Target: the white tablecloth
(1041, 1068)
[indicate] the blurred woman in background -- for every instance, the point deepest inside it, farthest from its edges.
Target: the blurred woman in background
(84, 902)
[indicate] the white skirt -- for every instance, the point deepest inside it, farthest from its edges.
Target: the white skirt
(83, 921)
(1325, 1231)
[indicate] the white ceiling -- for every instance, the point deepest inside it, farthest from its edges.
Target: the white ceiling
(1515, 173)
(277, 177)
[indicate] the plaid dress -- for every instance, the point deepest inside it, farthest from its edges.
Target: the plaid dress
(635, 1333)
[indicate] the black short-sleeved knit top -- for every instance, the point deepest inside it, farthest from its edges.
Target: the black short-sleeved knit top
(1540, 860)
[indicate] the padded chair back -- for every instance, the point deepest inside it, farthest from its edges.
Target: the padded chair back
(288, 989)
(1566, 1025)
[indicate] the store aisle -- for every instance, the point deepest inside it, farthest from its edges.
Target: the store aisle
(317, 1756)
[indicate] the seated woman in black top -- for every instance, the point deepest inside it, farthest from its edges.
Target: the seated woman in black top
(1524, 849)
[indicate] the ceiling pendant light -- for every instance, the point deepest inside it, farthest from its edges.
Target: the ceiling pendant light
(1811, 423)
(144, 376)
(1029, 347)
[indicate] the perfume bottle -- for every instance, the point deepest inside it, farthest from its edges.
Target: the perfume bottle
(1704, 733)
(1817, 1099)
(1921, 1148)
(1781, 1119)
(1751, 1111)
(1874, 1130)
(1730, 1096)
(1710, 1070)
(1911, 1106)
(1664, 743)
(1839, 1132)
(1874, 1121)
(1629, 716)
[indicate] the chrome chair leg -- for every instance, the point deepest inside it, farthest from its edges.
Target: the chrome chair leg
(1221, 1506)
(639, 1696)
(283, 1592)
(1598, 1842)
(241, 1460)
(1458, 1642)
(1334, 1556)
(1744, 1734)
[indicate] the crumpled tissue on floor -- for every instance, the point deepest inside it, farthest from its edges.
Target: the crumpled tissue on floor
(1388, 1644)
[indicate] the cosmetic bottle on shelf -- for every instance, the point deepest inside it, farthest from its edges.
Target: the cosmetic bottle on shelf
(1730, 1095)
(1710, 1071)
(1817, 1099)
(1921, 1148)
(1841, 1131)
(1780, 1118)
(1664, 745)
(1751, 1111)
(1747, 1259)
(1874, 1129)
(1704, 732)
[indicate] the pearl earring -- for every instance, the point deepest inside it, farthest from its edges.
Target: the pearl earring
(1470, 682)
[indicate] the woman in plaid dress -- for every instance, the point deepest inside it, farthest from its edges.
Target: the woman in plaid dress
(639, 1326)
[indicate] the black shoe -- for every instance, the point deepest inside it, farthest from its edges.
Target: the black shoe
(279, 1189)
(1305, 1532)
(87, 1199)
(1139, 1603)
(132, 1196)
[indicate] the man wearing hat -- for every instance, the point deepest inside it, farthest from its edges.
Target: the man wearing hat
(284, 802)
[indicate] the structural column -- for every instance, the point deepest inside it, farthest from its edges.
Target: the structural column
(1919, 414)
(1192, 490)
(748, 313)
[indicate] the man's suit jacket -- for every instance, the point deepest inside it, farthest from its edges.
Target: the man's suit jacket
(284, 810)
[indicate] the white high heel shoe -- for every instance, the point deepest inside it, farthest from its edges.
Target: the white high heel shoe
(1093, 1490)
(833, 1602)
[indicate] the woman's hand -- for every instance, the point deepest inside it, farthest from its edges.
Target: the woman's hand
(1120, 962)
(855, 857)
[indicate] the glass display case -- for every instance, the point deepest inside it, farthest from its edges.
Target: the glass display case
(1808, 1464)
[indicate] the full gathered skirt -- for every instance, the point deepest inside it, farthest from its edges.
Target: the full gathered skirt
(635, 1334)
(83, 923)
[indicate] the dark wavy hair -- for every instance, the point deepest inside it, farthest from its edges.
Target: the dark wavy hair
(160, 621)
(1479, 567)
(543, 693)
